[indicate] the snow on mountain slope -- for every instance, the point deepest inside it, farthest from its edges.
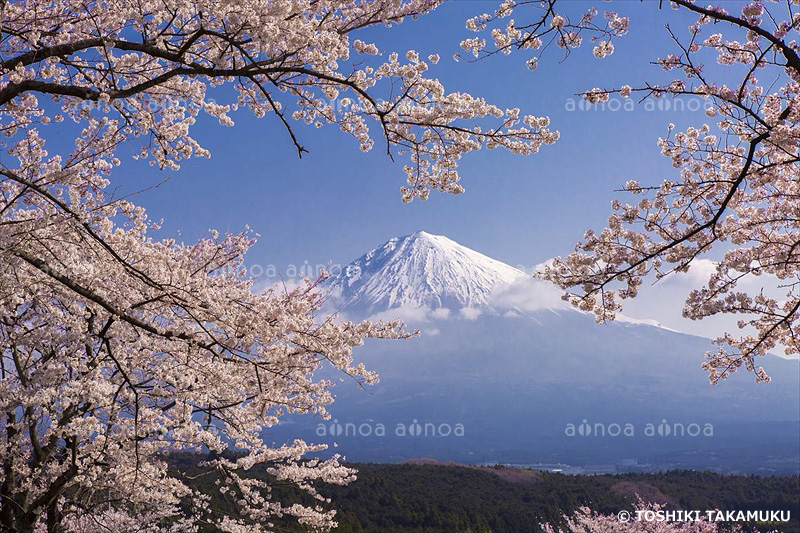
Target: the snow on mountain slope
(419, 270)
(408, 277)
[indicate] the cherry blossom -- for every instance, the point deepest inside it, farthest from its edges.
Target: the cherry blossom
(736, 187)
(735, 190)
(118, 348)
(585, 520)
(542, 25)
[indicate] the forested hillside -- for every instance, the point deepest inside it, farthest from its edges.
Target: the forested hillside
(447, 498)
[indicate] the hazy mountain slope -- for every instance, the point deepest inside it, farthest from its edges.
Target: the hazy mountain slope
(517, 373)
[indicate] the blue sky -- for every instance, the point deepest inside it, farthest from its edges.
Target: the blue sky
(336, 203)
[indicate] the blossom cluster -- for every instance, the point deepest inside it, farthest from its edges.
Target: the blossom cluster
(584, 519)
(544, 27)
(736, 190)
(118, 348)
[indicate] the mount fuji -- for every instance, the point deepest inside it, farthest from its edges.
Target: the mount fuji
(423, 276)
(420, 271)
(501, 354)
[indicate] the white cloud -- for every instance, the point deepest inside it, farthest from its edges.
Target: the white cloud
(660, 303)
(424, 314)
(441, 313)
(528, 294)
(697, 275)
(407, 314)
(470, 313)
(663, 301)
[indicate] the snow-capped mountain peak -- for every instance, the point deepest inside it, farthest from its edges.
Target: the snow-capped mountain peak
(419, 270)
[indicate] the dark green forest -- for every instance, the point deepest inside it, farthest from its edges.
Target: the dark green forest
(453, 498)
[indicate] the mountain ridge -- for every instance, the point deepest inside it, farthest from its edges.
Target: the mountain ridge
(419, 270)
(439, 277)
